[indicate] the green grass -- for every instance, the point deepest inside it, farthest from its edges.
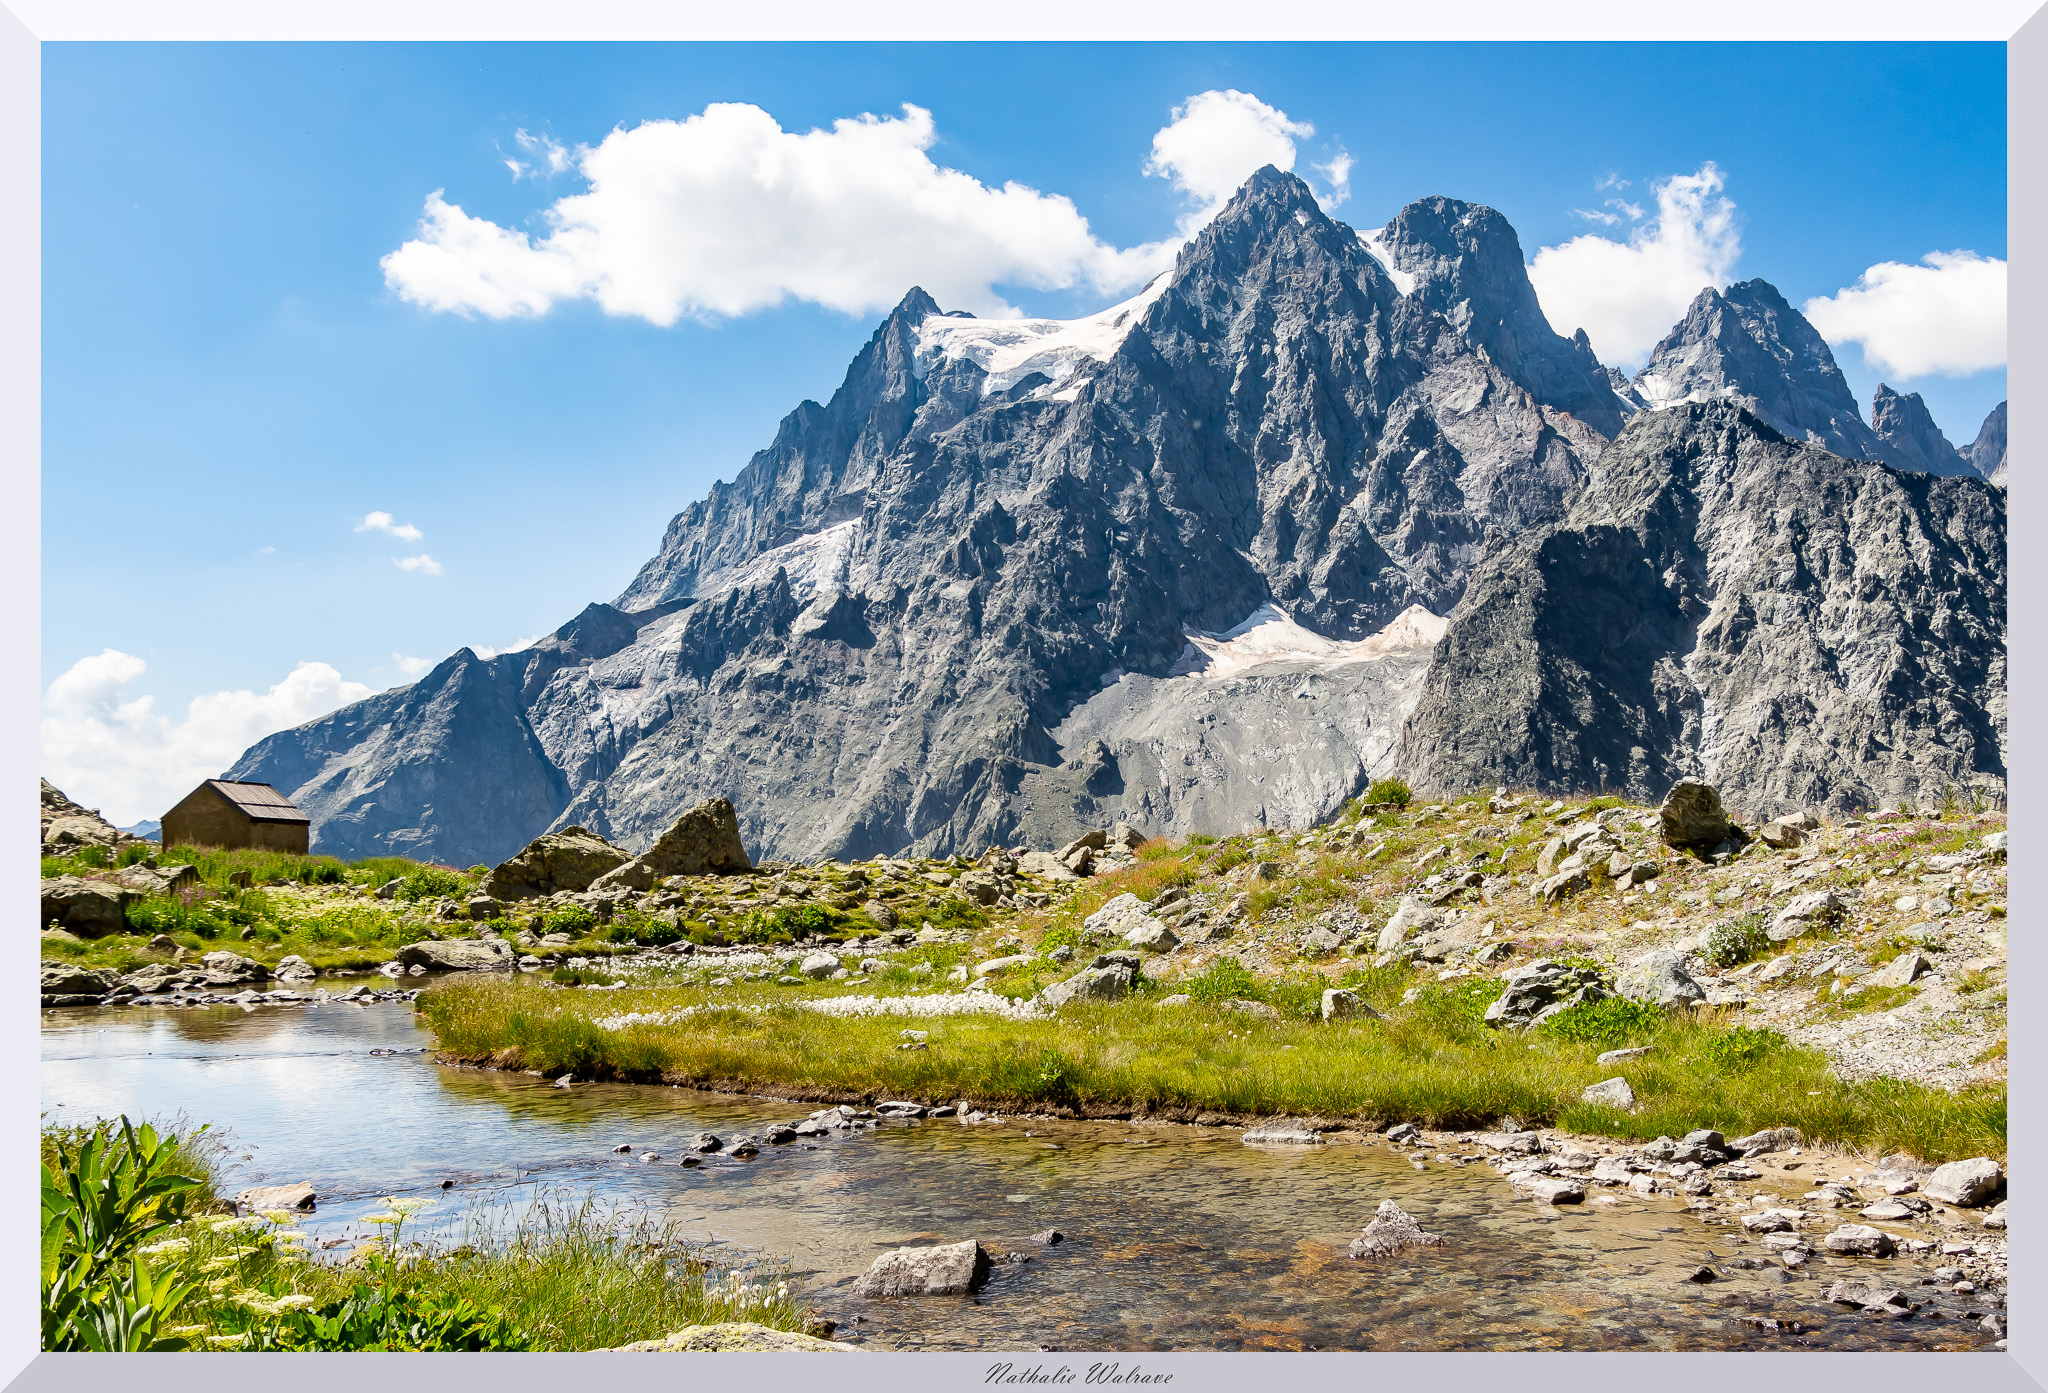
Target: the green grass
(1431, 1063)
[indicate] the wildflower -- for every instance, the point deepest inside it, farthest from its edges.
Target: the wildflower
(228, 1341)
(170, 1247)
(283, 1218)
(383, 1218)
(408, 1206)
(185, 1330)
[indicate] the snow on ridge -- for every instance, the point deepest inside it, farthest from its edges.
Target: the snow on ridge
(1270, 635)
(1375, 242)
(1010, 350)
(814, 562)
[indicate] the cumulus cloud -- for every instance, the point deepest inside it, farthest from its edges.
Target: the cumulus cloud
(423, 563)
(111, 749)
(548, 156)
(725, 212)
(381, 522)
(1337, 174)
(1946, 315)
(1627, 294)
(1217, 139)
(411, 667)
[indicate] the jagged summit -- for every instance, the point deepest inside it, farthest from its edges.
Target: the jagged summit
(1909, 436)
(1464, 261)
(1987, 452)
(976, 596)
(1748, 344)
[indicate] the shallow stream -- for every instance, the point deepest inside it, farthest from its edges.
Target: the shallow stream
(1176, 1237)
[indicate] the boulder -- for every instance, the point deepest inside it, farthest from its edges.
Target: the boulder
(1118, 917)
(884, 918)
(1901, 971)
(1965, 1184)
(979, 886)
(568, 861)
(1660, 978)
(1095, 840)
(1554, 1189)
(1782, 833)
(1126, 838)
(1570, 880)
(63, 979)
(1410, 916)
(299, 1197)
(953, 1269)
(1390, 1231)
(63, 835)
(87, 908)
(704, 841)
(1613, 1093)
(1817, 909)
(1152, 936)
(1859, 1241)
(1868, 1295)
(1046, 866)
(1542, 989)
(736, 1337)
(818, 966)
(1107, 983)
(294, 967)
(995, 965)
(162, 880)
(1617, 1056)
(1692, 818)
(1547, 859)
(226, 969)
(459, 955)
(1342, 1005)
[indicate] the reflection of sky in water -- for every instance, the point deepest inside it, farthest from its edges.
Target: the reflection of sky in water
(1194, 1241)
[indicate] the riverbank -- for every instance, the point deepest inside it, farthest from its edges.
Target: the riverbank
(1431, 1062)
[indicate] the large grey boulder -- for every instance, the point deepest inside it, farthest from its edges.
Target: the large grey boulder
(1859, 1241)
(1342, 1005)
(1692, 818)
(1390, 1231)
(1901, 971)
(1659, 977)
(1110, 982)
(1768, 1140)
(224, 968)
(1965, 1184)
(954, 1269)
(704, 841)
(1613, 1093)
(1541, 990)
(459, 955)
(560, 862)
(87, 908)
(64, 979)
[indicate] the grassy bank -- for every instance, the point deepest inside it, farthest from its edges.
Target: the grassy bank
(1430, 1062)
(564, 1276)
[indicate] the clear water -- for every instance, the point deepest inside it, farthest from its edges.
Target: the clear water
(1176, 1237)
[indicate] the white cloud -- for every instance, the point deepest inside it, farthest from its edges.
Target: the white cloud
(424, 564)
(1336, 173)
(1219, 139)
(411, 667)
(724, 213)
(1944, 316)
(381, 522)
(551, 157)
(113, 751)
(1627, 295)
(266, 551)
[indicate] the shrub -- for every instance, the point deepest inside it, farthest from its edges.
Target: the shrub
(633, 926)
(1613, 1021)
(431, 883)
(1456, 1008)
(1741, 1047)
(384, 1318)
(1738, 941)
(187, 911)
(572, 919)
(1386, 793)
(803, 920)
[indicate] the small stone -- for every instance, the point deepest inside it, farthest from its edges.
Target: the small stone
(1617, 1056)
(1342, 1005)
(707, 1142)
(1859, 1240)
(1045, 1238)
(952, 1270)
(1390, 1231)
(1703, 1275)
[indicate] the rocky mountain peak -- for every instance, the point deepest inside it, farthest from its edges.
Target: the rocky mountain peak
(1910, 437)
(1464, 261)
(1748, 344)
(1987, 452)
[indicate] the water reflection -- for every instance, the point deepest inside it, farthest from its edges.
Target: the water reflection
(1177, 1238)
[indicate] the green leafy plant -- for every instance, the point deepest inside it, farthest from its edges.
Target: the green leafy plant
(103, 1198)
(1224, 979)
(633, 926)
(1386, 793)
(573, 919)
(1739, 940)
(1614, 1020)
(387, 1318)
(1742, 1047)
(430, 883)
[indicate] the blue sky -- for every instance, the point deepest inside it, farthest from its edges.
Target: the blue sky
(231, 386)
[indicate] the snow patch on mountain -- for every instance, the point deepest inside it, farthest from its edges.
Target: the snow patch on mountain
(1270, 635)
(813, 562)
(1375, 242)
(1010, 350)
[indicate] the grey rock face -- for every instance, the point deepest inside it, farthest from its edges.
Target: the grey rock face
(1467, 265)
(951, 1270)
(1659, 977)
(1910, 438)
(1800, 629)
(1986, 453)
(1748, 345)
(1542, 989)
(1107, 983)
(931, 575)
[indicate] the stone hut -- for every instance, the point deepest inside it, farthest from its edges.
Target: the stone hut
(224, 813)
